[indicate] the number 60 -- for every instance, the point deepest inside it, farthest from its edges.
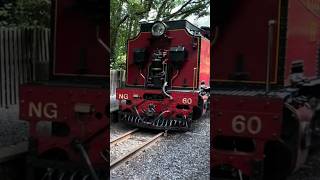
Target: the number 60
(241, 124)
(187, 101)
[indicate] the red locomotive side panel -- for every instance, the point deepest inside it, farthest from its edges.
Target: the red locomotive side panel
(243, 42)
(302, 38)
(80, 50)
(142, 41)
(178, 37)
(204, 63)
(242, 119)
(60, 115)
(231, 112)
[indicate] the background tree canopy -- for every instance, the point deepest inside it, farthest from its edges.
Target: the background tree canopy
(26, 13)
(126, 14)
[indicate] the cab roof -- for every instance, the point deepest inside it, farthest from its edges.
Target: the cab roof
(172, 25)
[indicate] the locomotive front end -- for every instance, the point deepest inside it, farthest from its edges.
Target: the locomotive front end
(167, 76)
(155, 111)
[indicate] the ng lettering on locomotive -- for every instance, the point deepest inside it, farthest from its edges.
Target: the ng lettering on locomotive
(40, 110)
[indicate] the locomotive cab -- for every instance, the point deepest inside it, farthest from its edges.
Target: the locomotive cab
(167, 72)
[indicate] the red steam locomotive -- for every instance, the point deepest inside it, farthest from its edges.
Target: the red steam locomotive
(69, 136)
(168, 74)
(265, 105)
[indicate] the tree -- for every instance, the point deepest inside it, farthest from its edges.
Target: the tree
(125, 17)
(25, 13)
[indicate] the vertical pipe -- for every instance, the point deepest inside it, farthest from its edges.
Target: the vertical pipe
(194, 79)
(271, 24)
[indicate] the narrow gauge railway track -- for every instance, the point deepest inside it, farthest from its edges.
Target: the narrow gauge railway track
(135, 139)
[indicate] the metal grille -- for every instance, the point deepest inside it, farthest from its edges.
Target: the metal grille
(117, 79)
(22, 52)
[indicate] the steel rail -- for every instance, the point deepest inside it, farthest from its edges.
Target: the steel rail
(123, 136)
(125, 156)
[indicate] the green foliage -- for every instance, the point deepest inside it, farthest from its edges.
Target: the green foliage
(120, 64)
(5, 13)
(26, 13)
(126, 15)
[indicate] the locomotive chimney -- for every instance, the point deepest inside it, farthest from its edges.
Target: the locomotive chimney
(269, 56)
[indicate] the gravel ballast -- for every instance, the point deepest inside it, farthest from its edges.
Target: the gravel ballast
(311, 169)
(117, 129)
(176, 156)
(12, 130)
(126, 146)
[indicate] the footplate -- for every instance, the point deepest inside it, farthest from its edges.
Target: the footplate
(156, 123)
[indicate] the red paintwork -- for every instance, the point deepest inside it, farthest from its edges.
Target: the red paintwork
(66, 98)
(225, 108)
(268, 109)
(178, 37)
(205, 62)
(303, 37)
(74, 33)
(247, 35)
(161, 106)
